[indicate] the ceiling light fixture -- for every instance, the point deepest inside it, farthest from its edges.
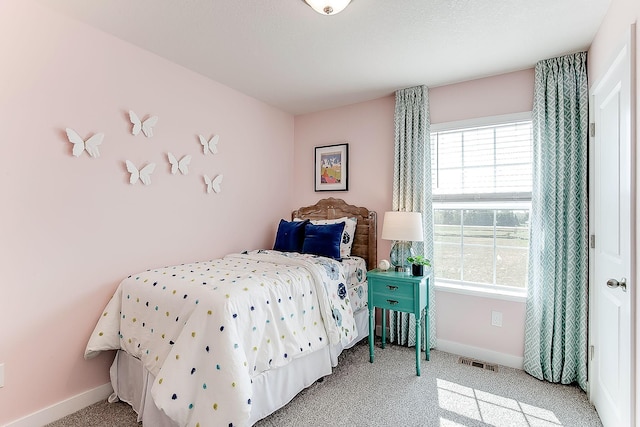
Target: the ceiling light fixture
(328, 7)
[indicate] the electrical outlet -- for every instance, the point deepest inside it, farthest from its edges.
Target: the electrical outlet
(496, 318)
(1, 375)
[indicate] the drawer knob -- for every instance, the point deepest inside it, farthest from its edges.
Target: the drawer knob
(392, 288)
(392, 302)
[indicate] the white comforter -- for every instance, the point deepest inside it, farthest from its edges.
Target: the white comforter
(206, 329)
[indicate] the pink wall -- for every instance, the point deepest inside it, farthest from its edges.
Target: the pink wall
(490, 96)
(72, 228)
(368, 127)
(466, 320)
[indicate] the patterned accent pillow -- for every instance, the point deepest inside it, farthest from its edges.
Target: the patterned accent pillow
(347, 235)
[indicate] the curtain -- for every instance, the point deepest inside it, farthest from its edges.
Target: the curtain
(556, 307)
(412, 192)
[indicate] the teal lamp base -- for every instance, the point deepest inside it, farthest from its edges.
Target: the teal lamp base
(398, 256)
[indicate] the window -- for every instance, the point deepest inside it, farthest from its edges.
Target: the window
(482, 180)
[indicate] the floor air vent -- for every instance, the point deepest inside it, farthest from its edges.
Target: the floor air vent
(478, 364)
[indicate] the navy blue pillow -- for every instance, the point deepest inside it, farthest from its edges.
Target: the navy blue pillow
(323, 240)
(290, 236)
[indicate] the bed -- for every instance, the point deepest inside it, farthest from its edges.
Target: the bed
(229, 341)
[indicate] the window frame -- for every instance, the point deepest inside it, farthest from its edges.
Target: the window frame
(504, 201)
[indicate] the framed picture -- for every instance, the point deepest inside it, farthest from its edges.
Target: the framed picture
(332, 168)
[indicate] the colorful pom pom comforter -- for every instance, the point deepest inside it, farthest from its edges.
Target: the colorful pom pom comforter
(205, 329)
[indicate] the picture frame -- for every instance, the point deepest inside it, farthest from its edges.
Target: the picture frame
(331, 171)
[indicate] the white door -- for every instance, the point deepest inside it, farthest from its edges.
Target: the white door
(612, 286)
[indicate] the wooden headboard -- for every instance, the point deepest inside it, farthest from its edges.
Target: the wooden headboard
(365, 240)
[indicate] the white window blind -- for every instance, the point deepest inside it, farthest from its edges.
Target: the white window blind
(482, 163)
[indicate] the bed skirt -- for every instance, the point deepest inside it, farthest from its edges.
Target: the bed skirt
(271, 390)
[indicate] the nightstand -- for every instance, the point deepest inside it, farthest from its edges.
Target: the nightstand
(389, 290)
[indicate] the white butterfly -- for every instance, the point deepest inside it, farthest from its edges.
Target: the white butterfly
(213, 184)
(146, 125)
(79, 145)
(143, 174)
(211, 145)
(182, 165)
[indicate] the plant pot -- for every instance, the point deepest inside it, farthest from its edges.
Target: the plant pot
(417, 269)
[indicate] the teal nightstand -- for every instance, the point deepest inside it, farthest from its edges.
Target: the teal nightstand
(389, 290)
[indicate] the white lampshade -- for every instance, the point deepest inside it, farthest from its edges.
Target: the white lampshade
(402, 226)
(328, 7)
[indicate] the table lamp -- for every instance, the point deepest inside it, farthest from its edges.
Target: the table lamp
(403, 228)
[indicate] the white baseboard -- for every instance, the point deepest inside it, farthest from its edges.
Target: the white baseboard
(482, 354)
(474, 352)
(64, 408)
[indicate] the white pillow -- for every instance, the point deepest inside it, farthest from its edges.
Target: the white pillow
(347, 235)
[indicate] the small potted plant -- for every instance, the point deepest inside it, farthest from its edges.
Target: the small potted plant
(417, 264)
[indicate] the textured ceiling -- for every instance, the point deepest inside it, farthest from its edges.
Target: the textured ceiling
(287, 55)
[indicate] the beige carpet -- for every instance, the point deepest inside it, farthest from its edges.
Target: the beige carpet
(388, 393)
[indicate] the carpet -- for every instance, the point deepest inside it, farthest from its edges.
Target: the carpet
(388, 393)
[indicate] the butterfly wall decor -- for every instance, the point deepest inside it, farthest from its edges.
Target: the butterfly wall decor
(80, 145)
(145, 125)
(143, 174)
(210, 146)
(181, 165)
(213, 184)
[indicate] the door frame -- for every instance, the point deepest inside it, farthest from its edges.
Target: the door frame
(629, 43)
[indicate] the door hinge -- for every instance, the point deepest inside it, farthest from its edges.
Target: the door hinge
(592, 241)
(591, 351)
(592, 130)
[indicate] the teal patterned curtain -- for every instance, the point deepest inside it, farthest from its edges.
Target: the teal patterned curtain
(412, 192)
(556, 311)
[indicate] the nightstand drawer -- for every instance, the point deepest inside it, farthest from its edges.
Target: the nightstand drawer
(393, 302)
(392, 289)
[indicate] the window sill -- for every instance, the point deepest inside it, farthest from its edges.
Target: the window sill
(479, 291)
